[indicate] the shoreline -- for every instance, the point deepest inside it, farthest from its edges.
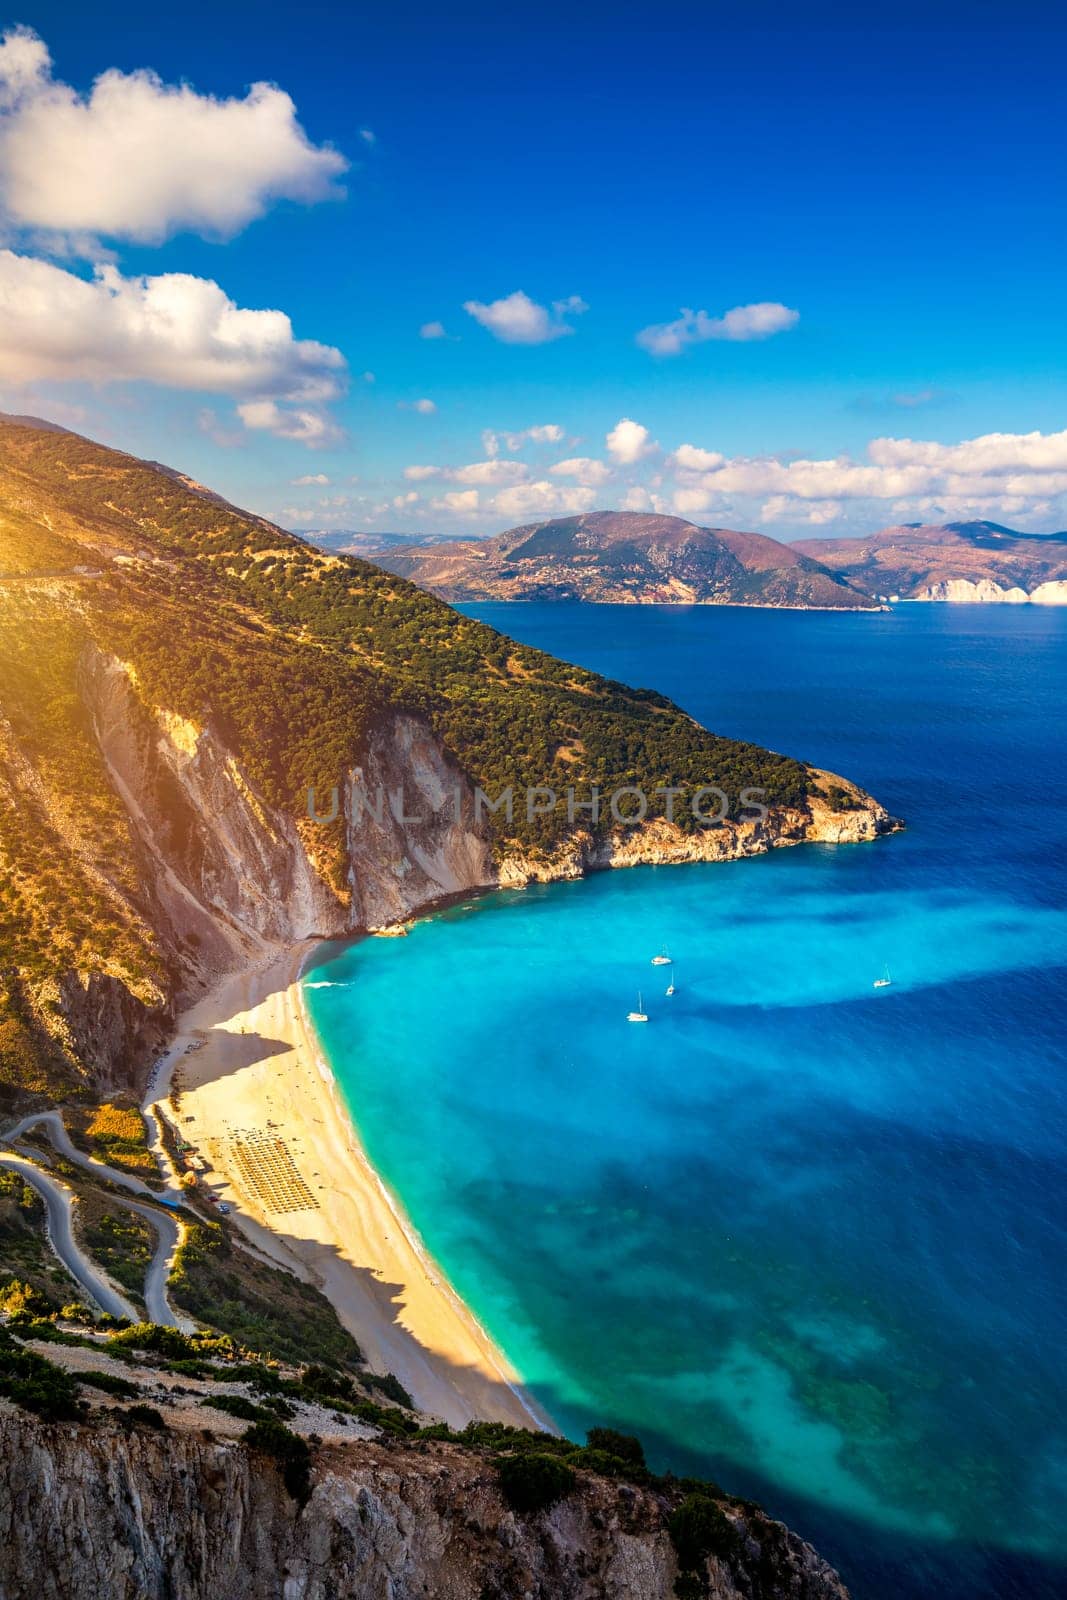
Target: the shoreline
(251, 1065)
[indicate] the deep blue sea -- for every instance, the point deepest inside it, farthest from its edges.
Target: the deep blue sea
(806, 1237)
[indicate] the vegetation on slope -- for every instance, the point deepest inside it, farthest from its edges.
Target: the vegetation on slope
(260, 1307)
(292, 656)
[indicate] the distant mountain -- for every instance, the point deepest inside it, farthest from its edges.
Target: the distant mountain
(362, 542)
(625, 556)
(962, 561)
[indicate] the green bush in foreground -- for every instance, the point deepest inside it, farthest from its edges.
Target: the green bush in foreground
(291, 1453)
(698, 1529)
(237, 1406)
(142, 1416)
(110, 1383)
(534, 1481)
(38, 1384)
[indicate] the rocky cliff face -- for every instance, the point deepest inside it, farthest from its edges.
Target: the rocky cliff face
(227, 877)
(96, 1513)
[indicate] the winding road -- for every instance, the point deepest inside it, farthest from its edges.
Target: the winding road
(59, 1201)
(59, 1205)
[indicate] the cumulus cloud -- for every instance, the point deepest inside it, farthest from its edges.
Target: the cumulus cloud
(543, 433)
(308, 479)
(425, 408)
(739, 325)
(693, 459)
(628, 442)
(636, 498)
(298, 423)
(140, 159)
(516, 319)
(996, 472)
(417, 474)
(542, 499)
(433, 330)
(583, 469)
(493, 471)
(464, 501)
(175, 330)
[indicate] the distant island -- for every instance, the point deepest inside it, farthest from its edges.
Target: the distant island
(625, 557)
(964, 562)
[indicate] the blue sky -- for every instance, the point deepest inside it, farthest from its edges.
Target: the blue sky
(892, 196)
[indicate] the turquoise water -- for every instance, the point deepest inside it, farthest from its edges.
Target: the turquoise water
(805, 1237)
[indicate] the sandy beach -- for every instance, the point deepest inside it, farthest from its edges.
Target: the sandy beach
(263, 1110)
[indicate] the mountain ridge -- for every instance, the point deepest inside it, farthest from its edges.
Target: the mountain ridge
(621, 557)
(940, 561)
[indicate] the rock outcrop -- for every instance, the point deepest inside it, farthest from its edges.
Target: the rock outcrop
(101, 1513)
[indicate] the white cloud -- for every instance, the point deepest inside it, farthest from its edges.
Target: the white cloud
(583, 469)
(425, 408)
(543, 433)
(417, 474)
(368, 136)
(636, 498)
(741, 324)
(693, 459)
(461, 500)
(174, 330)
(516, 319)
(298, 423)
(687, 502)
(628, 442)
(1009, 473)
(308, 479)
(139, 159)
(433, 330)
(542, 499)
(493, 471)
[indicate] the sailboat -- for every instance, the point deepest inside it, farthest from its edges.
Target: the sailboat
(883, 982)
(663, 959)
(639, 1015)
(670, 987)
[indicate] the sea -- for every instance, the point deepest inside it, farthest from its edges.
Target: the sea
(805, 1236)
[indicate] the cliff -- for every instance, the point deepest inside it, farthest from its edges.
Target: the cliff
(625, 557)
(177, 677)
(102, 1512)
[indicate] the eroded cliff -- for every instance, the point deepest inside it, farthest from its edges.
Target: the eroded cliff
(105, 1513)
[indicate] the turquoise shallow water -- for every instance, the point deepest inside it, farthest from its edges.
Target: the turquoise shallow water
(805, 1237)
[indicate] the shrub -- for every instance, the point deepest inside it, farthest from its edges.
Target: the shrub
(17, 1297)
(388, 1384)
(154, 1336)
(142, 1416)
(38, 1384)
(110, 1383)
(237, 1406)
(534, 1481)
(624, 1446)
(290, 1452)
(699, 1529)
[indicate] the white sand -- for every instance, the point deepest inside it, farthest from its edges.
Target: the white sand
(259, 1069)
